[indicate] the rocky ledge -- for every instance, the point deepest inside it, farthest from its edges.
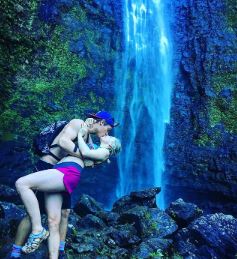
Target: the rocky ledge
(134, 228)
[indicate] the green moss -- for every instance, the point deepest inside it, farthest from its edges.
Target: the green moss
(154, 226)
(59, 56)
(43, 71)
(223, 112)
(16, 43)
(78, 13)
(222, 80)
(231, 6)
(147, 215)
(220, 109)
(157, 254)
(203, 140)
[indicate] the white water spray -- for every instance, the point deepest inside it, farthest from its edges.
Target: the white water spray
(143, 94)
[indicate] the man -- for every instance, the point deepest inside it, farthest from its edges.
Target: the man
(99, 124)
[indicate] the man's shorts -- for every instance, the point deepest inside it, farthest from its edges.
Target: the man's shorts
(41, 165)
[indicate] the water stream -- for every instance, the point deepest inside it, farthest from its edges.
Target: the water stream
(143, 93)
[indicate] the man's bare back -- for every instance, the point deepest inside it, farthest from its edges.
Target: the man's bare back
(65, 142)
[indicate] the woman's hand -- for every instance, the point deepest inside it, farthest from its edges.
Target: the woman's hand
(89, 163)
(83, 131)
(89, 122)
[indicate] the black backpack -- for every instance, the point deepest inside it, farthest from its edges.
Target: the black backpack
(43, 141)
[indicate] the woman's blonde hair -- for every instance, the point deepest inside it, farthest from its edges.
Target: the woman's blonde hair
(115, 146)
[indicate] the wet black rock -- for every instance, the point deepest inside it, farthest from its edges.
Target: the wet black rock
(152, 248)
(12, 212)
(11, 215)
(123, 236)
(9, 194)
(212, 235)
(139, 232)
(149, 222)
(141, 198)
(2, 213)
(91, 222)
(183, 212)
(200, 146)
(87, 205)
(15, 161)
(87, 242)
(109, 217)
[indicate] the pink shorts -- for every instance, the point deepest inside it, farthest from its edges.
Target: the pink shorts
(72, 172)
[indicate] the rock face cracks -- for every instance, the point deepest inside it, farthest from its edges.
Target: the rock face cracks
(201, 140)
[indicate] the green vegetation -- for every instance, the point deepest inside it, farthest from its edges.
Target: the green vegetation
(42, 77)
(220, 109)
(157, 254)
(231, 7)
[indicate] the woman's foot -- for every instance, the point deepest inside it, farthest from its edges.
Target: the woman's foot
(34, 241)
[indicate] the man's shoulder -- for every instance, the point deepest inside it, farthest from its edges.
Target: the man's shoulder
(75, 123)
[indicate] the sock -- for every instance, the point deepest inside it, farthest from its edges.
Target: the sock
(16, 251)
(61, 246)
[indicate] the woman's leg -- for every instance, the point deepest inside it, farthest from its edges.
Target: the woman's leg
(53, 204)
(47, 181)
(63, 224)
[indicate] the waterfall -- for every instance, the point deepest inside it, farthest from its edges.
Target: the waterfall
(143, 94)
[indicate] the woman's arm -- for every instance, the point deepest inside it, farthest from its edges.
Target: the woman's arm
(100, 154)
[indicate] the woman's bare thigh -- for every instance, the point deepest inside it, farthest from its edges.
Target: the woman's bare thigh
(50, 180)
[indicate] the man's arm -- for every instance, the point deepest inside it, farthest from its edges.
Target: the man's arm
(68, 134)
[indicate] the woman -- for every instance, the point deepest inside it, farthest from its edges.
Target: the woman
(63, 177)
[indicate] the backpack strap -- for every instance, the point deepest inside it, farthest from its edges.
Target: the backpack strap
(77, 148)
(55, 157)
(54, 145)
(51, 154)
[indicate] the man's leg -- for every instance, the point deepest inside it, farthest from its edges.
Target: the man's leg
(23, 231)
(53, 204)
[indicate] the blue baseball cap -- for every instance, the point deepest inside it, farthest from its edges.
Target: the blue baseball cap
(103, 115)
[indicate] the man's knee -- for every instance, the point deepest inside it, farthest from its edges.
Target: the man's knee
(53, 221)
(65, 213)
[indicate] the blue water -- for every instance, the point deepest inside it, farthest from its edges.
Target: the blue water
(143, 94)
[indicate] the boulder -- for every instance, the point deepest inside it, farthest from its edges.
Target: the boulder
(9, 194)
(212, 235)
(142, 198)
(183, 212)
(87, 205)
(123, 236)
(152, 248)
(149, 222)
(91, 222)
(110, 218)
(11, 215)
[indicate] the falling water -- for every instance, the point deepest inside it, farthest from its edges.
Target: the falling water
(143, 90)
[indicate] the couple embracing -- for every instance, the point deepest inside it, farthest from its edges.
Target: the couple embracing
(58, 174)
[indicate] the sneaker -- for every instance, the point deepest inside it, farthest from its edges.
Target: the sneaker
(34, 241)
